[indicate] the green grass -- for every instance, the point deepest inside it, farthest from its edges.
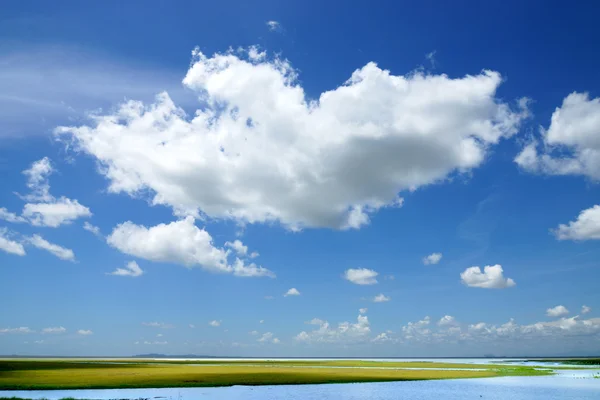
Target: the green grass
(101, 374)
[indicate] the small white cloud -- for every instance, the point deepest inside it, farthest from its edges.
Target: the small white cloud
(381, 298)
(558, 311)
(42, 208)
(38, 341)
(253, 333)
(158, 343)
(431, 58)
(269, 297)
(238, 247)
(433, 258)
(159, 335)
(585, 309)
(262, 321)
(60, 252)
(22, 329)
(361, 276)
(53, 214)
(37, 180)
(180, 242)
(275, 341)
(10, 246)
(132, 269)
(215, 323)
(390, 277)
(158, 325)
(85, 332)
(570, 146)
(92, 228)
(447, 320)
(345, 332)
(273, 26)
(363, 310)
(491, 278)
(292, 292)
(265, 337)
(585, 227)
(10, 216)
(192, 326)
(382, 337)
(54, 330)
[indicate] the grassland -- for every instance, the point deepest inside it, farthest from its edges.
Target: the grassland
(105, 374)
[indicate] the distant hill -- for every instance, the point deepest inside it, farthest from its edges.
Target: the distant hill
(155, 355)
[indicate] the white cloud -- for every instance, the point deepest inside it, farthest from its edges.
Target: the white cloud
(571, 145)
(381, 298)
(292, 292)
(22, 329)
(10, 216)
(238, 247)
(273, 25)
(417, 330)
(215, 323)
(491, 278)
(92, 228)
(361, 276)
(158, 325)
(56, 213)
(180, 242)
(275, 341)
(433, 258)
(132, 269)
(447, 320)
(253, 333)
(345, 332)
(10, 246)
(37, 180)
(585, 227)
(382, 337)
(265, 337)
(159, 343)
(558, 311)
(316, 321)
(192, 326)
(268, 153)
(85, 332)
(363, 310)
(585, 309)
(38, 341)
(54, 330)
(159, 335)
(262, 321)
(60, 252)
(44, 209)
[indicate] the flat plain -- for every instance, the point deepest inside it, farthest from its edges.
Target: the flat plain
(23, 374)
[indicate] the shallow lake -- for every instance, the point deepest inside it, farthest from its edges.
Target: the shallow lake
(564, 385)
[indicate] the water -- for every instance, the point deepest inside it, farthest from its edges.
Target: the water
(564, 385)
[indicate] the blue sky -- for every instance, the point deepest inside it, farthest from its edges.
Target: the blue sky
(171, 172)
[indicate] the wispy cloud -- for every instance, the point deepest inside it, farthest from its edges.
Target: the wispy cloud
(59, 251)
(132, 269)
(158, 325)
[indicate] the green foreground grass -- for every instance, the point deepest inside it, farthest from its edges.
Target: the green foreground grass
(105, 374)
